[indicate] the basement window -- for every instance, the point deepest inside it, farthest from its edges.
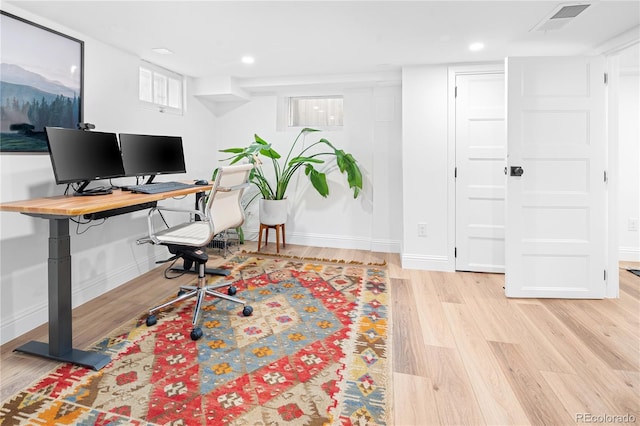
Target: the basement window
(160, 88)
(316, 111)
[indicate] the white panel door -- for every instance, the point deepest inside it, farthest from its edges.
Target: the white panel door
(555, 222)
(480, 180)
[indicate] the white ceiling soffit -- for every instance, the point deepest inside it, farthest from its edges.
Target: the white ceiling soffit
(560, 16)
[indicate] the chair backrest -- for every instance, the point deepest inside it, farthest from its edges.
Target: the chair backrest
(224, 207)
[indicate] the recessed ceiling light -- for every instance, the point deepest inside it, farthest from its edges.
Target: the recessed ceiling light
(248, 60)
(162, 51)
(474, 47)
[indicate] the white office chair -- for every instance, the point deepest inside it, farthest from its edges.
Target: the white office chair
(188, 240)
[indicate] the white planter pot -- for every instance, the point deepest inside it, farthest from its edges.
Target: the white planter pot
(273, 212)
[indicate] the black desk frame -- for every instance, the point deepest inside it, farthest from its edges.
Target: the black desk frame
(60, 347)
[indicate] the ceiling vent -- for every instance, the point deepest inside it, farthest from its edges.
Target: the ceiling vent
(560, 16)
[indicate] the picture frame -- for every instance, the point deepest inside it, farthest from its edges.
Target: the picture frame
(42, 83)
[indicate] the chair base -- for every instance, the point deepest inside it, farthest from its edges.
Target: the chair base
(279, 229)
(199, 291)
(207, 271)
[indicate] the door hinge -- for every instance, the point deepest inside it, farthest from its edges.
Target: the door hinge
(606, 78)
(455, 92)
(605, 274)
(605, 176)
(455, 172)
(455, 252)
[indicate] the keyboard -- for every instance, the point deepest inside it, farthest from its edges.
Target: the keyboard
(156, 188)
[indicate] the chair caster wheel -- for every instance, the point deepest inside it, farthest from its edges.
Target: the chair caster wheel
(247, 310)
(151, 320)
(196, 333)
(231, 291)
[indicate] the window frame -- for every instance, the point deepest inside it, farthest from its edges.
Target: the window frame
(285, 119)
(168, 77)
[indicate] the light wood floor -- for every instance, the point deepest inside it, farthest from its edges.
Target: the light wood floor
(463, 354)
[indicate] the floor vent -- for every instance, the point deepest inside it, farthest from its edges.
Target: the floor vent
(560, 17)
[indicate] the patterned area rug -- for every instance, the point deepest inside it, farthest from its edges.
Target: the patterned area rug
(315, 351)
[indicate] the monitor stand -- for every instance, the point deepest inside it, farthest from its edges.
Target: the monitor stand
(82, 190)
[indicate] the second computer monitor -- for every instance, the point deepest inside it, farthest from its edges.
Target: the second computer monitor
(151, 155)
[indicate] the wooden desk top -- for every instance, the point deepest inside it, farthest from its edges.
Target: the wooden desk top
(70, 205)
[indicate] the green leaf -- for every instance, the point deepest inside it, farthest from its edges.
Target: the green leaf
(318, 180)
(260, 140)
(270, 153)
(233, 150)
(306, 160)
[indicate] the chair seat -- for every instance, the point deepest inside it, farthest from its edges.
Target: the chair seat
(196, 234)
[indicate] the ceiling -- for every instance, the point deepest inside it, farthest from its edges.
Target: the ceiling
(319, 38)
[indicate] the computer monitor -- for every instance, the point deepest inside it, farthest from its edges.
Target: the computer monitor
(79, 156)
(151, 155)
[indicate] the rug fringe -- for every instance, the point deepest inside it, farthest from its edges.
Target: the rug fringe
(316, 259)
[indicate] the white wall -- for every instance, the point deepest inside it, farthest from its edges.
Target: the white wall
(106, 256)
(425, 168)
(371, 133)
(629, 164)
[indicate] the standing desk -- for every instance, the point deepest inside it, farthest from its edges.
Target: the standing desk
(58, 210)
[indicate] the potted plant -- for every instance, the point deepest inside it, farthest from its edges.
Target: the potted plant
(274, 186)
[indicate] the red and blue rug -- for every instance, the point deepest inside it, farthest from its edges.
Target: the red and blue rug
(315, 351)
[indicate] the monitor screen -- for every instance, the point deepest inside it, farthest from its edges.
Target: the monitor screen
(151, 155)
(82, 156)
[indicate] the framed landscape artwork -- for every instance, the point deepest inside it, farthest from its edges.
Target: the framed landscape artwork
(41, 83)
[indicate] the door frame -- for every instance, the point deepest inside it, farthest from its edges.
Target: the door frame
(453, 72)
(610, 52)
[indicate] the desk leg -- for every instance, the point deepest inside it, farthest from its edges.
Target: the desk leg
(60, 347)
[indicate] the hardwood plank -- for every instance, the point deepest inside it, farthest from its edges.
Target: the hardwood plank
(447, 286)
(575, 394)
(500, 321)
(482, 285)
(621, 395)
(497, 401)
(545, 355)
(416, 404)
(571, 313)
(455, 400)
(433, 324)
(630, 283)
(408, 354)
(531, 389)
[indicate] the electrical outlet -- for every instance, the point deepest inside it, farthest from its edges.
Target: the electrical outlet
(422, 229)
(632, 224)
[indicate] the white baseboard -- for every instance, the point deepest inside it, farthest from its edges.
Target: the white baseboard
(333, 241)
(340, 241)
(629, 254)
(427, 263)
(386, 246)
(23, 321)
(36, 315)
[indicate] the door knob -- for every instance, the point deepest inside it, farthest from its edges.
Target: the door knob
(516, 171)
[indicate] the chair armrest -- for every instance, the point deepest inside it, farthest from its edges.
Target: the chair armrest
(158, 210)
